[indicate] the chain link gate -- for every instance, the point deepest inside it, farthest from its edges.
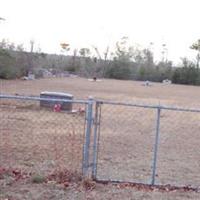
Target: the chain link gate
(112, 143)
(134, 143)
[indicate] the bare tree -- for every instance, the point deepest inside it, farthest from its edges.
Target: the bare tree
(32, 43)
(106, 53)
(97, 52)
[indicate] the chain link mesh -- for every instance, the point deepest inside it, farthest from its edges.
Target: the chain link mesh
(38, 139)
(178, 154)
(126, 143)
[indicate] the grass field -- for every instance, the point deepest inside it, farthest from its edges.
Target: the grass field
(39, 141)
(108, 89)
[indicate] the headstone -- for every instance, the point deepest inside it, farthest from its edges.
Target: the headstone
(67, 106)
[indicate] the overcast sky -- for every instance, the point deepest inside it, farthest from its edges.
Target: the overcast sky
(83, 23)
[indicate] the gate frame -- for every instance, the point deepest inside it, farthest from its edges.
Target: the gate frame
(97, 126)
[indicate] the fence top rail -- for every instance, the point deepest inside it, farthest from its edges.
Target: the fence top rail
(159, 106)
(34, 98)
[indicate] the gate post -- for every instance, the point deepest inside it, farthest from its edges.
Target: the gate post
(86, 146)
(96, 139)
(156, 146)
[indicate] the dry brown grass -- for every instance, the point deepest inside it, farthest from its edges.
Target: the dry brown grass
(107, 89)
(41, 141)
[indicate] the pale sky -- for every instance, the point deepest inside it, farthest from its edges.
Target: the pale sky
(83, 23)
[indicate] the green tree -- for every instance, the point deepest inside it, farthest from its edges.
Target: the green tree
(85, 52)
(120, 67)
(196, 46)
(7, 62)
(187, 74)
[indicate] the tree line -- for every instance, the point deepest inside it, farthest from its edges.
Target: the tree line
(124, 62)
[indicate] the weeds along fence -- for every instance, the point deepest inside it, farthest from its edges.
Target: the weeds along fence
(110, 141)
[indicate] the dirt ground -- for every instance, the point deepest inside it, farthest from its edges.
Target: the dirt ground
(42, 141)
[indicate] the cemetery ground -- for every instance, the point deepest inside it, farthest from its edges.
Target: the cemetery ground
(36, 141)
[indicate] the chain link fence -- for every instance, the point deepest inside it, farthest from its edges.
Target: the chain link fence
(178, 152)
(38, 139)
(113, 141)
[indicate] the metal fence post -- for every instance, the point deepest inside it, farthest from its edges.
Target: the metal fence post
(86, 147)
(156, 146)
(96, 139)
